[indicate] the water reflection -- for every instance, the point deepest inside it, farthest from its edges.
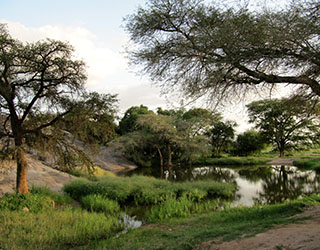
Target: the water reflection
(254, 184)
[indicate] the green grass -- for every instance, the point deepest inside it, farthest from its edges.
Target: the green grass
(32, 202)
(98, 203)
(61, 199)
(188, 232)
(308, 163)
(179, 208)
(233, 161)
(142, 190)
(180, 222)
(53, 229)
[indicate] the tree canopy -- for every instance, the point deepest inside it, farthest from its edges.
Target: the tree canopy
(221, 135)
(286, 123)
(209, 49)
(41, 94)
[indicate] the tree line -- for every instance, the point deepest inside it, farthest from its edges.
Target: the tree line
(204, 49)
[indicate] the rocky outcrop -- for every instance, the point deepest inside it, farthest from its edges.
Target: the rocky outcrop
(39, 174)
(42, 174)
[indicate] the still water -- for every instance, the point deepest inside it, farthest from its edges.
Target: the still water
(264, 185)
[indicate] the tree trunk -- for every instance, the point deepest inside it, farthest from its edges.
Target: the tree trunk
(281, 153)
(169, 164)
(21, 184)
(161, 160)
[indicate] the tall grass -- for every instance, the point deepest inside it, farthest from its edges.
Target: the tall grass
(178, 208)
(98, 203)
(62, 199)
(53, 229)
(31, 202)
(142, 190)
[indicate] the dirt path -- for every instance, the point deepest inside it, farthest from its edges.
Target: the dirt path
(303, 236)
(282, 161)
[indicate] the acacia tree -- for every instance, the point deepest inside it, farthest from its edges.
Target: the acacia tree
(36, 79)
(286, 123)
(248, 142)
(207, 49)
(169, 136)
(221, 134)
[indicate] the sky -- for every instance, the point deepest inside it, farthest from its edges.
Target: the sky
(95, 29)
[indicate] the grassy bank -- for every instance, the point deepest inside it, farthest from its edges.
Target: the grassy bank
(46, 220)
(187, 233)
(142, 190)
(308, 163)
(232, 161)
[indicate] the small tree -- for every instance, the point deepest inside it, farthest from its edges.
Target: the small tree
(128, 123)
(286, 123)
(248, 142)
(37, 84)
(221, 135)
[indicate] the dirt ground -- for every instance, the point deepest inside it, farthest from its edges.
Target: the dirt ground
(302, 236)
(282, 161)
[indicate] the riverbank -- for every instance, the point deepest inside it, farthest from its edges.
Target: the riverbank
(302, 236)
(65, 225)
(210, 230)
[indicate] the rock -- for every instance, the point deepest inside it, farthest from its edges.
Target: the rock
(25, 209)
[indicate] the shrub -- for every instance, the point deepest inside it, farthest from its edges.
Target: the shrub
(98, 203)
(62, 199)
(142, 190)
(176, 208)
(34, 202)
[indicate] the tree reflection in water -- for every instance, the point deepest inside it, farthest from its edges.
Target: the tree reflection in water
(265, 185)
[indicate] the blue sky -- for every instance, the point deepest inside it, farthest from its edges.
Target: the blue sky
(93, 27)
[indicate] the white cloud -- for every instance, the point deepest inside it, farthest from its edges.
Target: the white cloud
(102, 62)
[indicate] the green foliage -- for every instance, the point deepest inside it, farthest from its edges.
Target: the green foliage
(168, 136)
(232, 161)
(92, 119)
(286, 123)
(221, 135)
(248, 142)
(189, 232)
(312, 164)
(143, 190)
(98, 203)
(177, 208)
(33, 202)
(129, 121)
(218, 50)
(53, 229)
(62, 199)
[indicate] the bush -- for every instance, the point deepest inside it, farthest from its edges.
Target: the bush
(62, 199)
(34, 202)
(248, 142)
(177, 208)
(98, 203)
(142, 190)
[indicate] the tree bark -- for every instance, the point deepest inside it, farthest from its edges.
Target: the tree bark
(169, 164)
(281, 153)
(161, 160)
(21, 182)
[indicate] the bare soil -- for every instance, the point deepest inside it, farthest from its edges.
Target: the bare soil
(302, 236)
(282, 161)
